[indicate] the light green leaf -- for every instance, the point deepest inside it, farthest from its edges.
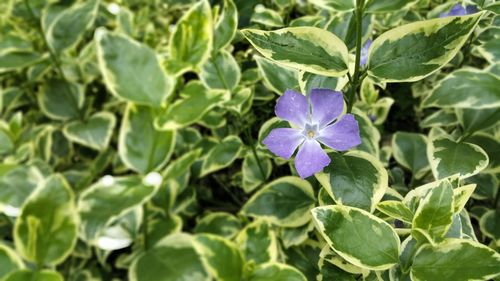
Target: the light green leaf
(306, 48)
(258, 242)
(15, 187)
(221, 71)
(267, 17)
(68, 27)
(108, 200)
(337, 225)
(413, 51)
(219, 223)
(335, 5)
(435, 212)
(224, 259)
(46, 231)
(285, 202)
(28, 275)
(385, 6)
(226, 25)
(355, 179)
(396, 209)
(294, 236)
(457, 260)
(191, 42)
(131, 70)
(407, 150)
(61, 100)
(174, 258)
(448, 157)
(276, 272)
(466, 88)
(141, 146)
(9, 260)
(196, 103)
(278, 78)
(95, 133)
(222, 155)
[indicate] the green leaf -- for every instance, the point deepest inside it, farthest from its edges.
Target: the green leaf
(174, 258)
(306, 48)
(267, 17)
(258, 242)
(385, 6)
(95, 133)
(276, 272)
(491, 145)
(448, 157)
(131, 70)
(16, 185)
(61, 100)
(413, 51)
(12, 59)
(335, 5)
(141, 146)
(435, 212)
(9, 260)
(466, 88)
(396, 209)
(191, 42)
(309, 81)
(490, 225)
(285, 202)
(221, 71)
(28, 275)
(108, 200)
(222, 155)
(224, 259)
(196, 103)
(455, 259)
(67, 28)
(226, 25)
(355, 179)
(407, 150)
(473, 120)
(351, 233)
(219, 223)
(252, 176)
(276, 77)
(370, 135)
(46, 231)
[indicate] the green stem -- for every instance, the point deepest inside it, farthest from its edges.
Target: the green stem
(356, 81)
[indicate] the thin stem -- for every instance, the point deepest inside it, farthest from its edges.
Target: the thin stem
(357, 66)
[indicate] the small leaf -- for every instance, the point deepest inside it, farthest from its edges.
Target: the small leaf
(306, 48)
(226, 26)
(258, 242)
(95, 133)
(386, 6)
(61, 100)
(219, 223)
(222, 155)
(252, 176)
(28, 275)
(285, 202)
(223, 258)
(276, 272)
(46, 231)
(396, 209)
(221, 71)
(490, 225)
(407, 150)
(337, 224)
(278, 78)
(9, 260)
(412, 52)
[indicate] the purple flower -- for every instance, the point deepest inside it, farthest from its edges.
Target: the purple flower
(459, 10)
(364, 52)
(311, 125)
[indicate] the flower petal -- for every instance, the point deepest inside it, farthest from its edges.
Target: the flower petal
(283, 141)
(326, 106)
(364, 52)
(310, 159)
(292, 107)
(342, 135)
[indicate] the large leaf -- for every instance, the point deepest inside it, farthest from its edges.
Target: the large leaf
(46, 231)
(95, 132)
(174, 258)
(109, 199)
(413, 51)
(141, 146)
(284, 202)
(457, 260)
(434, 215)
(466, 88)
(306, 48)
(224, 259)
(358, 236)
(407, 150)
(191, 41)
(355, 179)
(131, 70)
(448, 157)
(68, 27)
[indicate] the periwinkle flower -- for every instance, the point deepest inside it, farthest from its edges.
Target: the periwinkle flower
(364, 52)
(459, 10)
(311, 124)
